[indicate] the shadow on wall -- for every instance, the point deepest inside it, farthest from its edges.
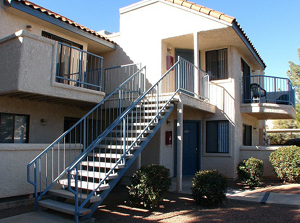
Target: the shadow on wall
(119, 57)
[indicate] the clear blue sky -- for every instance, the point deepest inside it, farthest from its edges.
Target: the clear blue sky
(273, 26)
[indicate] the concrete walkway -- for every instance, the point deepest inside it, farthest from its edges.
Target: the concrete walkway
(264, 197)
(257, 196)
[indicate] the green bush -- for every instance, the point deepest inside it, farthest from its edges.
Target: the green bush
(251, 171)
(149, 185)
(286, 163)
(209, 187)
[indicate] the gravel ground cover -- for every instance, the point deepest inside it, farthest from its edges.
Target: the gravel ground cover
(182, 208)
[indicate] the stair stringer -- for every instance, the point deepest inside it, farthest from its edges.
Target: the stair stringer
(129, 162)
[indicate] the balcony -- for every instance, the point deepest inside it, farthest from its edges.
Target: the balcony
(266, 97)
(38, 68)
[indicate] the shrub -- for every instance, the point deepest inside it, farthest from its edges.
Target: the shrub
(251, 171)
(286, 163)
(209, 187)
(149, 185)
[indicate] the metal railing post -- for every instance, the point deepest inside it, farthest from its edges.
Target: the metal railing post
(84, 134)
(124, 138)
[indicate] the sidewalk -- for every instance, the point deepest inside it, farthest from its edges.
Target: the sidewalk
(259, 195)
(264, 197)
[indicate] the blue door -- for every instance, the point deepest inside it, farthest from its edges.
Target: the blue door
(191, 148)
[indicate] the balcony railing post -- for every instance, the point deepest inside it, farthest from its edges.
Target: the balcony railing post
(275, 90)
(178, 73)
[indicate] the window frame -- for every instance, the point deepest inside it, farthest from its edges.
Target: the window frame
(14, 123)
(219, 75)
(249, 127)
(217, 152)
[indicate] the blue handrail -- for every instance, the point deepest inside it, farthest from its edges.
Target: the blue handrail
(83, 122)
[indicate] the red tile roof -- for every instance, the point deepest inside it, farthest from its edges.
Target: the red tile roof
(183, 3)
(62, 18)
(217, 15)
(203, 9)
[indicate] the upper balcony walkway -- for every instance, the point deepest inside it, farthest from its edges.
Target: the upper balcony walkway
(267, 97)
(38, 68)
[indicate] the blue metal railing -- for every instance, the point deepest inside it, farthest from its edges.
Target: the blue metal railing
(112, 139)
(52, 164)
(268, 89)
(114, 76)
(159, 95)
(76, 67)
(189, 79)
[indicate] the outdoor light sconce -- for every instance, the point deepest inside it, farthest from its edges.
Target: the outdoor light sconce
(168, 122)
(29, 28)
(43, 121)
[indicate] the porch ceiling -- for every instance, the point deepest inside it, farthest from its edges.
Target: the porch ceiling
(213, 39)
(195, 103)
(264, 111)
(49, 99)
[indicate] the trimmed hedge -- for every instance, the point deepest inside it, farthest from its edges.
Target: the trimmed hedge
(149, 185)
(251, 171)
(209, 187)
(286, 163)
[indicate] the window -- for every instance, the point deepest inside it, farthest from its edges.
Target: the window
(14, 128)
(247, 135)
(216, 64)
(60, 39)
(217, 137)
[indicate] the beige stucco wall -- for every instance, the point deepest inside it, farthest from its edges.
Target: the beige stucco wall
(262, 153)
(28, 64)
(54, 115)
(13, 20)
(142, 37)
(15, 157)
(142, 32)
(13, 163)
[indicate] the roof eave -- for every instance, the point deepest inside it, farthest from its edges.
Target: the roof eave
(248, 44)
(61, 24)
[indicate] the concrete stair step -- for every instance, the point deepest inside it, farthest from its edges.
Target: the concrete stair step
(94, 174)
(63, 207)
(127, 139)
(118, 147)
(110, 155)
(85, 185)
(102, 164)
(69, 195)
(137, 131)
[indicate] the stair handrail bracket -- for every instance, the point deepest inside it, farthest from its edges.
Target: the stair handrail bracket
(54, 162)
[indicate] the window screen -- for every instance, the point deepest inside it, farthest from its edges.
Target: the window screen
(217, 64)
(217, 137)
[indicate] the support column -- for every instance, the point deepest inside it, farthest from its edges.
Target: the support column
(196, 63)
(179, 145)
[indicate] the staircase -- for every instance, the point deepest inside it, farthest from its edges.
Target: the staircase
(82, 166)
